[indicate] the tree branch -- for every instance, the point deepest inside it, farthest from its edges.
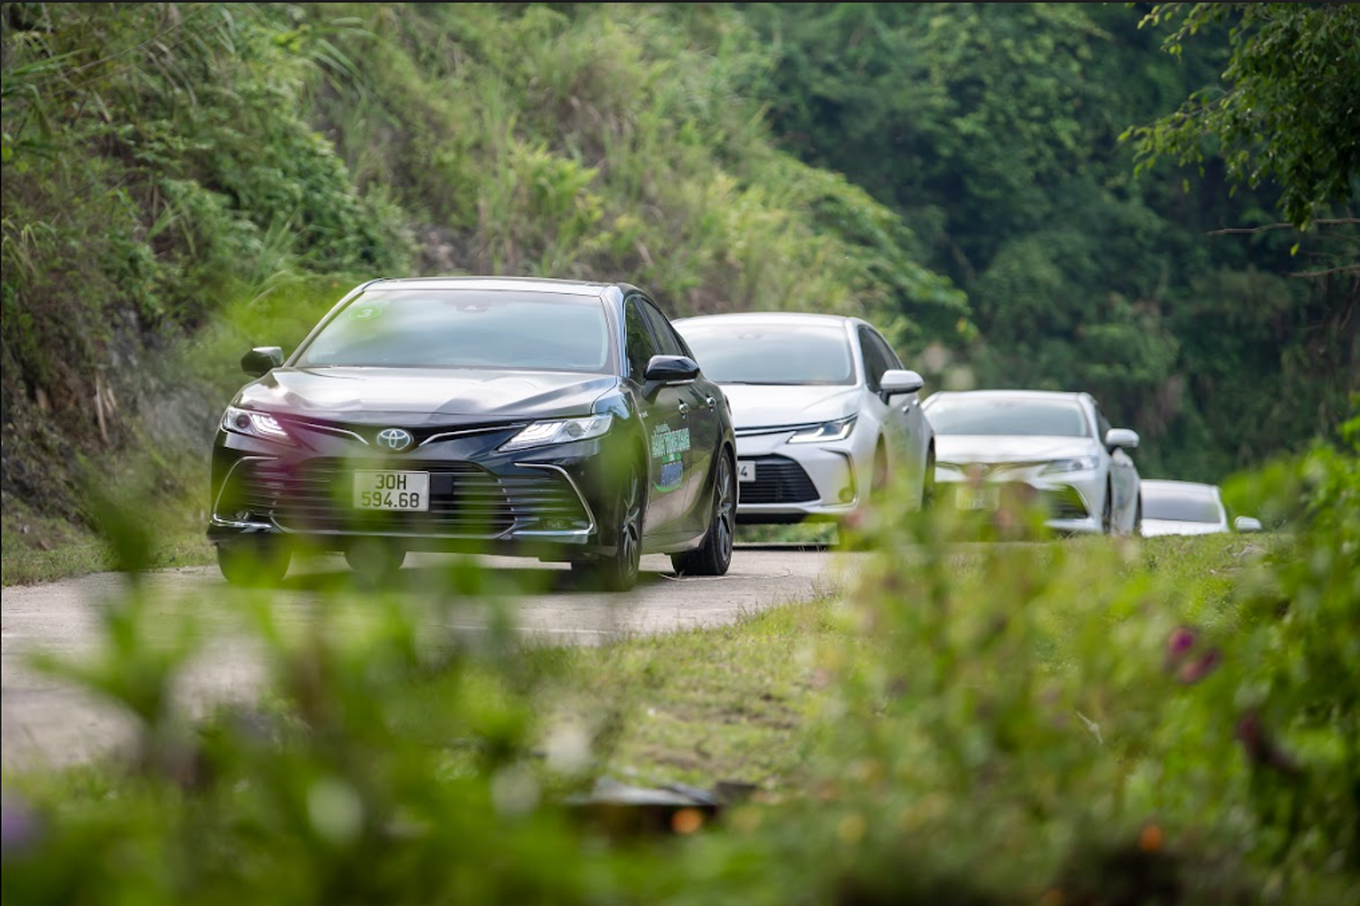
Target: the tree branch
(1344, 269)
(1335, 221)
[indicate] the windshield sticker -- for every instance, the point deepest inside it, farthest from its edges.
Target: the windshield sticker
(669, 447)
(366, 312)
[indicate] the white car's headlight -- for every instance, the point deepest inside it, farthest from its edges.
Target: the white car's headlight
(559, 431)
(948, 468)
(254, 424)
(1077, 464)
(826, 432)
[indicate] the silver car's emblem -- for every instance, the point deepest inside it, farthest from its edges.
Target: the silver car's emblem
(395, 439)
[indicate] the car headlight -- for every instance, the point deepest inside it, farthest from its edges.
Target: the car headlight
(254, 424)
(826, 432)
(948, 468)
(1077, 464)
(559, 431)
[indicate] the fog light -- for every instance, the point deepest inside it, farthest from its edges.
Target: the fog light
(847, 493)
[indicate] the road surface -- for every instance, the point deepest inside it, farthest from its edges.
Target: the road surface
(46, 721)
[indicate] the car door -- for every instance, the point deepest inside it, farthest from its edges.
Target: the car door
(878, 358)
(703, 424)
(907, 415)
(665, 421)
(1123, 477)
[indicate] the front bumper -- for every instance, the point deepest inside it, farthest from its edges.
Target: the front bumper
(797, 482)
(553, 502)
(1073, 500)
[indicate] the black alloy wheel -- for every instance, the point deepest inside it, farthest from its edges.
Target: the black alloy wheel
(714, 556)
(254, 563)
(619, 570)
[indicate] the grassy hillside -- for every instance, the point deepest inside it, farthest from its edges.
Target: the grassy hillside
(176, 176)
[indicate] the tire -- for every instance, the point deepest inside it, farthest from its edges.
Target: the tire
(1107, 515)
(878, 482)
(1138, 516)
(253, 564)
(714, 556)
(928, 482)
(619, 570)
(375, 562)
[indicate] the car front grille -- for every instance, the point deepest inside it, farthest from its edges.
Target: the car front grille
(465, 499)
(778, 480)
(1063, 503)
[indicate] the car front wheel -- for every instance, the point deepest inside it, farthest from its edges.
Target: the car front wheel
(253, 564)
(715, 555)
(619, 570)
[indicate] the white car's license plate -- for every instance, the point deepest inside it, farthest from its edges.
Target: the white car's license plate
(969, 498)
(383, 490)
(746, 470)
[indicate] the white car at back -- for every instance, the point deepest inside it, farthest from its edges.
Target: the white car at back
(1056, 447)
(823, 410)
(1188, 508)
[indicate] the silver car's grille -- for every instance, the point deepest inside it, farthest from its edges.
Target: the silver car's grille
(465, 500)
(778, 480)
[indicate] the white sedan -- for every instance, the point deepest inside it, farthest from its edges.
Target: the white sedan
(1059, 446)
(824, 412)
(1188, 508)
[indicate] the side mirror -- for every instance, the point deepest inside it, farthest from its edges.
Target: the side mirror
(671, 369)
(1122, 438)
(1246, 524)
(261, 359)
(898, 381)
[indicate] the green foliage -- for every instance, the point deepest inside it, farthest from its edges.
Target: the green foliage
(1100, 721)
(1284, 108)
(994, 130)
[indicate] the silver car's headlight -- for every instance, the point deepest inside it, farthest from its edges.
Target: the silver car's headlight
(948, 468)
(559, 431)
(1076, 464)
(826, 432)
(254, 424)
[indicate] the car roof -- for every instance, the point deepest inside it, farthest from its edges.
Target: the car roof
(1188, 488)
(1015, 394)
(784, 317)
(538, 284)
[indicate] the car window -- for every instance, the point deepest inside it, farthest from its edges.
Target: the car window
(1102, 424)
(666, 337)
(1179, 505)
(877, 358)
(433, 328)
(747, 352)
(639, 343)
(992, 416)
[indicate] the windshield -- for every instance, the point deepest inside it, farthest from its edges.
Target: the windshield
(530, 331)
(991, 416)
(771, 354)
(1179, 505)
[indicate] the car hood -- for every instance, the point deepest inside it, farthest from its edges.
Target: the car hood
(964, 448)
(419, 396)
(766, 406)
(1177, 527)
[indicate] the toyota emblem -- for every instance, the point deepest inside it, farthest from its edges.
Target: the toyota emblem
(395, 439)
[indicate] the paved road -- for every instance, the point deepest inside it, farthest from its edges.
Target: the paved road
(45, 721)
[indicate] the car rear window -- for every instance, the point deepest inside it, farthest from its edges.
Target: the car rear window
(770, 354)
(998, 417)
(465, 329)
(1180, 506)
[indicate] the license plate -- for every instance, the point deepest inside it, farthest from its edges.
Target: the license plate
(383, 490)
(746, 470)
(977, 498)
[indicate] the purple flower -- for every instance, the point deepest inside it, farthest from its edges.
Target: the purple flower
(1200, 667)
(1179, 642)
(18, 824)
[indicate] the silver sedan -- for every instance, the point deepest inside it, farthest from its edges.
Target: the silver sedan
(1058, 447)
(824, 412)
